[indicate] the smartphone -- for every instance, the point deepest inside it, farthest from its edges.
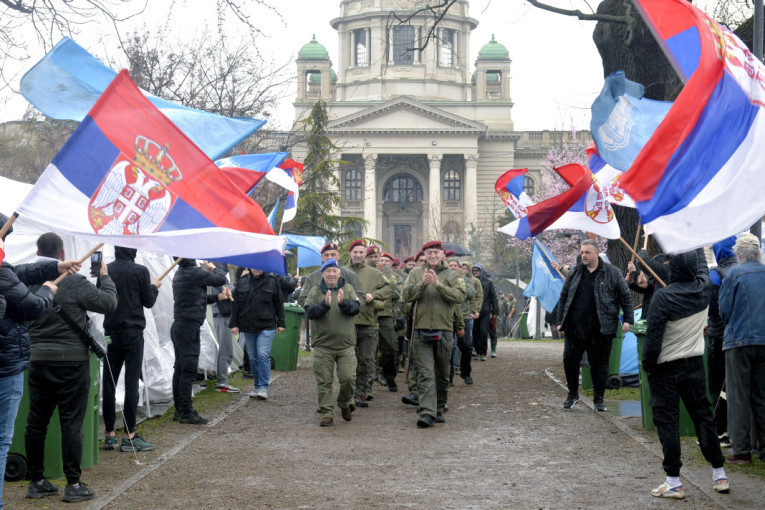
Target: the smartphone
(96, 259)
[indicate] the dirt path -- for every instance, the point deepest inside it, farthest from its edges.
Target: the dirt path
(507, 443)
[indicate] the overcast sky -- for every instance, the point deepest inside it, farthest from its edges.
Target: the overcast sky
(555, 73)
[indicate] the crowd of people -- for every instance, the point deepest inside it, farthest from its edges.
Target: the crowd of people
(375, 318)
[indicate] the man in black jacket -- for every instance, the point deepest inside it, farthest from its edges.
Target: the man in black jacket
(21, 305)
(135, 291)
(588, 314)
(59, 372)
(258, 314)
(672, 358)
(489, 310)
(190, 307)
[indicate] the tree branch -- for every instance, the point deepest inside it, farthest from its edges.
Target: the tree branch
(579, 14)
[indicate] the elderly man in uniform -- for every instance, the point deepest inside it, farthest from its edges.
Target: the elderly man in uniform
(434, 290)
(386, 319)
(366, 321)
(331, 306)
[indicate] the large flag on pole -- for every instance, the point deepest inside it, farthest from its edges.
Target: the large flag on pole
(546, 284)
(247, 170)
(129, 177)
(699, 178)
(607, 177)
(289, 175)
(68, 81)
(582, 207)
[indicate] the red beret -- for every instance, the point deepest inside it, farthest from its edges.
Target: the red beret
(386, 254)
(330, 246)
(357, 242)
(395, 262)
(372, 249)
(449, 253)
(433, 245)
(419, 254)
(410, 258)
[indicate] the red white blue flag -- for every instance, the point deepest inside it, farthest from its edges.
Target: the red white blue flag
(129, 177)
(582, 207)
(289, 175)
(607, 177)
(247, 170)
(699, 178)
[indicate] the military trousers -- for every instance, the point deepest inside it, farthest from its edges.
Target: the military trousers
(366, 347)
(433, 360)
(325, 361)
(388, 348)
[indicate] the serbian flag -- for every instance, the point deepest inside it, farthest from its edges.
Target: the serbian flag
(129, 177)
(607, 177)
(699, 178)
(289, 175)
(67, 82)
(581, 207)
(247, 170)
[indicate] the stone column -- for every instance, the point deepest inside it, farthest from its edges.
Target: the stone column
(471, 198)
(370, 195)
(434, 196)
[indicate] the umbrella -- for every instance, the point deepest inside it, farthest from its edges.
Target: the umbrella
(459, 250)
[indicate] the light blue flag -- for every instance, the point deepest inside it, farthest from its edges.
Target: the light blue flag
(68, 80)
(623, 120)
(308, 249)
(546, 283)
(272, 215)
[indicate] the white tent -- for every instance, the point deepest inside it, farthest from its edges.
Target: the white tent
(158, 349)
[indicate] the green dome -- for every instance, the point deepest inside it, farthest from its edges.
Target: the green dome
(316, 77)
(313, 51)
(493, 51)
(491, 77)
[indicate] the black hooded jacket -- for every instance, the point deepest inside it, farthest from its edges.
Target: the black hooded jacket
(490, 305)
(678, 312)
(134, 292)
(190, 290)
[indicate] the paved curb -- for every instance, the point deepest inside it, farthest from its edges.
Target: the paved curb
(102, 502)
(655, 448)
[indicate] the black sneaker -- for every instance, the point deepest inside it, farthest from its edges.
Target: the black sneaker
(599, 405)
(193, 418)
(468, 380)
(35, 490)
(392, 386)
(137, 444)
(74, 494)
(440, 418)
(570, 401)
(411, 399)
(426, 421)
(361, 401)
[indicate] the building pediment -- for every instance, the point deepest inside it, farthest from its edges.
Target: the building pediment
(405, 115)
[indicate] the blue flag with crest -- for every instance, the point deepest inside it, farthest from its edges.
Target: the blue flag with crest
(546, 283)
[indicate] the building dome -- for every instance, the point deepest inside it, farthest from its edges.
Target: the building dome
(492, 50)
(314, 50)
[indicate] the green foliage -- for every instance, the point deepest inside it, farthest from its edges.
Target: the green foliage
(319, 193)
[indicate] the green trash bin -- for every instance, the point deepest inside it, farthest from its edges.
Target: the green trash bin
(686, 424)
(523, 330)
(284, 349)
(54, 465)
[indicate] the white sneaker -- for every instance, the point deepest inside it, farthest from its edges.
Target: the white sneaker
(722, 485)
(261, 394)
(253, 394)
(665, 491)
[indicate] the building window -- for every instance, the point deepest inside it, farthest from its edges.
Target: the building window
(360, 48)
(446, 47)
(493, 84)
(353, 184)
(452, 186)
(403, 45)
(528, 186)
(354, 229)
(452, 232)
(402, 189)
(313, 84)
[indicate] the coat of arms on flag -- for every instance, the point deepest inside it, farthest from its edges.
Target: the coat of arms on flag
(133, 198)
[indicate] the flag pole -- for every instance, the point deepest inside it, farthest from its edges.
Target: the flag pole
(544, 252)
(167, 272)
(634, 246)
(81, 260)
(625, 243)
(645, 241)
(8, 224)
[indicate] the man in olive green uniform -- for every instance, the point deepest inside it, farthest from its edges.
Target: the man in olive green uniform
(330, 306)
(466, 346)
(434, 289)
(464, 313)
(504, 312)
(386, 319)
(366, 321)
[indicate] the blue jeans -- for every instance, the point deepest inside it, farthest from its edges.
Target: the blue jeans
(11, 389)
(259, 350)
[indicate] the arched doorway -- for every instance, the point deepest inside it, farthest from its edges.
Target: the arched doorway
(402, 212)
